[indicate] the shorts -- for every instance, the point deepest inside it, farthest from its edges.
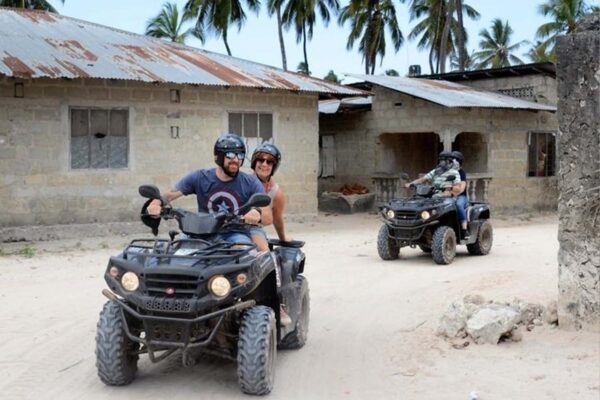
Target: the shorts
(243, 236)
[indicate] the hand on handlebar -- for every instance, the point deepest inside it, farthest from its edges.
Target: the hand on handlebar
(252, 217)
(154, 208)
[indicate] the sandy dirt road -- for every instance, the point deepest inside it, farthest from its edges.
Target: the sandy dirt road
(372, 328)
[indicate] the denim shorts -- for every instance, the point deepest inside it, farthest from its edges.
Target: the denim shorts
(243, 236)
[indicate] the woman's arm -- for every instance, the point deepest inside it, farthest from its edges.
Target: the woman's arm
(278, 207)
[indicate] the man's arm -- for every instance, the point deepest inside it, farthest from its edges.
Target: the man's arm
(417, 181)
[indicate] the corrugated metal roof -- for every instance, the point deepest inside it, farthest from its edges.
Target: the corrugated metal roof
(36, 44)
(450, 94)
(333, 106)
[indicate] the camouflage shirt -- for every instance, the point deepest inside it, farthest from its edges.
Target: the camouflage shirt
(440, 182)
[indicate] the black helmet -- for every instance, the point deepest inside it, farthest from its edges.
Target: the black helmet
(269, 149)
(445, 155)
(229, 142)
(458, 156)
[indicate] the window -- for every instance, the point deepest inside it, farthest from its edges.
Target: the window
(256, 128)
(542, 154)
(99, 138)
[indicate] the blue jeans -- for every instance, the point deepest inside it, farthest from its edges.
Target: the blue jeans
(243, 236)
(462, 202)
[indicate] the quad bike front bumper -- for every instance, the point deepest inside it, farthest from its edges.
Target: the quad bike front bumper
(172, 333)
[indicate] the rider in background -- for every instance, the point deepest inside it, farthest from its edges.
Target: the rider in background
(443, 177)
(265, 161)
(460, 192)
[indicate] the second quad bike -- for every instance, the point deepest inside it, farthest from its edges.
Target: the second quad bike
(431, 223)
(194, 293)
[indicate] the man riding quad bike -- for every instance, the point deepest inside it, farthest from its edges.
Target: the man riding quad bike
(432, 224)
(195, 293)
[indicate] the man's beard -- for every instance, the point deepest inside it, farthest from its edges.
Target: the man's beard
(230, 173)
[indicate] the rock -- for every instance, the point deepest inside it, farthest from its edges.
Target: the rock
(530, 327)
(529, 311)
(453, 322)
(516, 335)
(550, 314)
(476, 299)
(491, 322)
(537, 322)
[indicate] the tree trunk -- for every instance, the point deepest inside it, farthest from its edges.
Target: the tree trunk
(304, 47)
(225, 41)
(435, 41)
(444, 39)
(281, 44)
(368, 45)
(462, 51)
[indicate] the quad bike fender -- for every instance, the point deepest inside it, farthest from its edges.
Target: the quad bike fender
(291, 261)
(478, 211)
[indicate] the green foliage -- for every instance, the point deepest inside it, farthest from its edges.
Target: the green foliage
(331, 77)
(27, 251)
(30, 4)
(496, 48)
(303, 68)
(392, 72)
(168, 24)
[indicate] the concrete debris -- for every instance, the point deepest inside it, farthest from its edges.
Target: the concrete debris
(550, 314)
(475, 318)
(491, 322)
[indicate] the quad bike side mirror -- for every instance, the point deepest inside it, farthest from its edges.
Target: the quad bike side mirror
(149, 191)
(256, 200)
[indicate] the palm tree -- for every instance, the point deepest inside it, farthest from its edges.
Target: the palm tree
(303, 68)
(468, 64)
(539, 53)
(331, 77)
(429, 29)
(167, 24)
(368, 21)
(496, 50)
(391, 72)
(274, 7)
(218, 15)
(30, 4)
(564, 14)
(302, 14)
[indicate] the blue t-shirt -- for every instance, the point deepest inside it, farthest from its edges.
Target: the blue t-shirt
(214, 195)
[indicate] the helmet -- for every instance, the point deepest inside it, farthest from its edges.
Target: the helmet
(445, 155)
(269, 149)
(226, 143)
(458, 156)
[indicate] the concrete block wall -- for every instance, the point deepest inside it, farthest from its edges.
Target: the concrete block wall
(361, 152)
(38, 186)
(544, 86)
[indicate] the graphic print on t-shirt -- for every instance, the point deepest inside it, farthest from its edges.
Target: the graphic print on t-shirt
(223, 200)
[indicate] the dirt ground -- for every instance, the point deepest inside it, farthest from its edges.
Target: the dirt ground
(372, 328)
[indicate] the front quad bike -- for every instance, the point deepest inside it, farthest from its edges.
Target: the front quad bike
(431, 223)
(196, 294)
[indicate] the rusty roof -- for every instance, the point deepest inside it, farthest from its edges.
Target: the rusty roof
(450, 94)
(35, 44)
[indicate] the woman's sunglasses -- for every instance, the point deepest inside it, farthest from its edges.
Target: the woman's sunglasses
(231, 155)
(267, 161)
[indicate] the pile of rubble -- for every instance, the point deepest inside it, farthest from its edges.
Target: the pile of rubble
(490, 322)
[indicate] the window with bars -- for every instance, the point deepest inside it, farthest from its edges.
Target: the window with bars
(542, 154)
(99, 138)
(525, 92)
(254, 127)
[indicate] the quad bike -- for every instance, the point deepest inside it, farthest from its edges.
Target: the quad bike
(194, 293)
(431, 223)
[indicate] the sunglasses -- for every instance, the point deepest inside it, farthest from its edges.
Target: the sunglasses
(230, 155)
(267, 161)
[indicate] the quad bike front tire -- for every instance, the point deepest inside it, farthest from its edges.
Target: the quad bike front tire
(443, 249)
(485, 238)
(297, 338)
(116, 354)
(257, 351)
(387, 247)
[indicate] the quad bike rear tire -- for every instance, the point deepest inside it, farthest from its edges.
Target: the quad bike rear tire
(485, 238)
(116, 354)
(443, 249)
(387, 247)
(297, 338)
(257, 351)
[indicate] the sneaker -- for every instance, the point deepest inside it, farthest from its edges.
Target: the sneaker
(465, 234)
(284, 317)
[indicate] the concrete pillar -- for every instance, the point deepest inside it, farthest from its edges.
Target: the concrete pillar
(448, 135)
(578, 75)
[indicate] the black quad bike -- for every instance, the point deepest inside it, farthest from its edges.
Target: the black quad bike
(431, 223)
(197, 294)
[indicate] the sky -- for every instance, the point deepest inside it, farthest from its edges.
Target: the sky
(258, 41)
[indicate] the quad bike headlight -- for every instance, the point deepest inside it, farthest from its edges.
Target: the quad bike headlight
(219, 286)
(425, 214)
(130, 281)
(390, 214)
